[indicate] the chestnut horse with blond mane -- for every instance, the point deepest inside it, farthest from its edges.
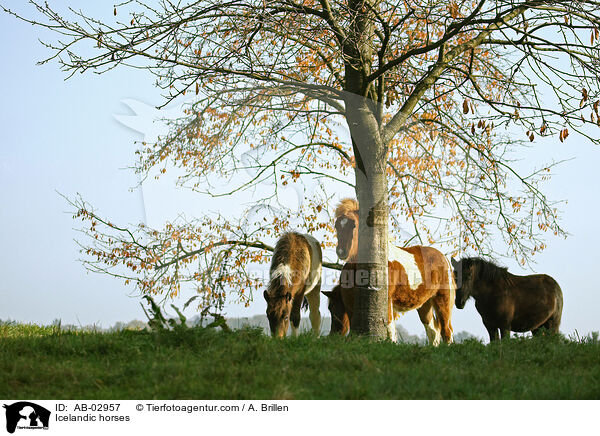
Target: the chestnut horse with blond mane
(419, 278)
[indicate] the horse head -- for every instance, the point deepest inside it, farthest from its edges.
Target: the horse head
(346, 227)
(278, 313)
(463, 276)
(336, 309)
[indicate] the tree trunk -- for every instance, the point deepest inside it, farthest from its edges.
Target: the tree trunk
(371, 278)
(371, 291)
(371, 285)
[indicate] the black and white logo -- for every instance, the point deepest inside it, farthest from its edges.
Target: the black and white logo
(26, 415)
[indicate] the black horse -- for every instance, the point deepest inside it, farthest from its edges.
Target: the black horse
(508, 302)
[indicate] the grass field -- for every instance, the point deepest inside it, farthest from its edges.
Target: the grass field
(48, 363)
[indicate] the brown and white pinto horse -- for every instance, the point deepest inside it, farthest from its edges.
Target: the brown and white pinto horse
(295, 274)
(418, 278)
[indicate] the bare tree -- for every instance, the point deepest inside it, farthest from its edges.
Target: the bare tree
(435, 96)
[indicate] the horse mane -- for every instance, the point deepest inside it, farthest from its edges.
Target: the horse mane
(287, 263)
(348, 206)
(487, 270)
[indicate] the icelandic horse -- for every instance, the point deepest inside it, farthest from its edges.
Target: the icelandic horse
(508, 302)
(419, 278)
(295, 274)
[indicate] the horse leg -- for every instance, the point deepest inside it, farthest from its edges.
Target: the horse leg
(295, 323)
(442, 305)
(348, 301)
(391, 330)
(391, 326)
(426, 315)
(492, 331)
(295, 314)
(505, 332)
(550, 326)
(553, 322)
(314, 299)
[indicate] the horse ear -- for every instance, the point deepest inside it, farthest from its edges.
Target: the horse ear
(454, 262)
(328, 294)
(266, 295)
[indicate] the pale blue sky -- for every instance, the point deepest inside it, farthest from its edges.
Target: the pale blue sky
(63, 136)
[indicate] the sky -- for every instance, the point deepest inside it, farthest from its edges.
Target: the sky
(72, 137)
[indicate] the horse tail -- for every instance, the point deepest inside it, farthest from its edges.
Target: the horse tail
(553, 322)
(556, 318)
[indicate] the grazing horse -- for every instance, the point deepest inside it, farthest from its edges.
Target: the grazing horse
(508, 302)
(418, 278)
(295, 274)
(340, 322)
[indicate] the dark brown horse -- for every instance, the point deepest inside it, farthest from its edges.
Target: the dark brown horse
(340, 321)
(295, 274)
(418, 278)
(508, 302)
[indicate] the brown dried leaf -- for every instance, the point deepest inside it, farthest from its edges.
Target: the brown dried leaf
(453, 9)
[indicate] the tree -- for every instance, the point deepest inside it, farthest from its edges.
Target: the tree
(435, 96)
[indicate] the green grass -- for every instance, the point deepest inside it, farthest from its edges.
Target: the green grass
(45, 362)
